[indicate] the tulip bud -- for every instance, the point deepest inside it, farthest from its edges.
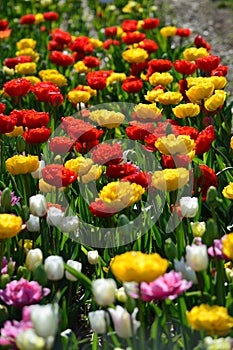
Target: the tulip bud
(34, 258)
(212, 197)
(40, 275)
(170, 249)
(29, 340)
(197, 257)
(93, 257)
(104, 291)
(4, 280)
(76, 266)
(22, 272)
(20, 144)
(33, 224)
(37, 205)
(6, 199)
(54, 216)
(25, 213)
(98, 321)
(3, 314)
(211, 232)
(10, 268)
(37, 173)
(198, 228)
(54, 267)
(189, 206)
(45, 320)
(121, 295)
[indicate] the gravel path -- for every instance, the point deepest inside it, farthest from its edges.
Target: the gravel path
(204, 17)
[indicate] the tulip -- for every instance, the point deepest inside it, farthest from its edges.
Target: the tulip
(54, 267)
(76, 266)
(37, 173)
(93, 257)
(34, 258)
(121, 295)
(197, 257)
(45, 320)
(69, 224)
(189, 206)
(104, 291)
(37, 205)
(54, 216)
(33, 224)
(98, 321)
(29, 340)
(198, 228)
(187, 272)
(122, 321)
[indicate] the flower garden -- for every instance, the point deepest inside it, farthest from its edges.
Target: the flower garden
(116, 180)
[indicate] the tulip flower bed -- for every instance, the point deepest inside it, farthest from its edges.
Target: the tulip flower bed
(116, 181)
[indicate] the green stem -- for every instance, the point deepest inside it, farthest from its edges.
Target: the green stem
(2, 250)
(2, 155)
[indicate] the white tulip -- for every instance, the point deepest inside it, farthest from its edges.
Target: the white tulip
(98, 321)
(76, 265)
(220, 343)
(123, 321)
(54, 216)
(33, 224)
(45, 320)
(69, 224)
(104, 291)
(198, 228)
(197, 257)
(29, 340)
(189, 206)
(37, 205)
(187, 272)
(37, 173)
(34, 258)
(93, 257)
(54, 267)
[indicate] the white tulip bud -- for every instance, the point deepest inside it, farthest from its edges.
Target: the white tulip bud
(69, 224)
(122, 321)
(33, 224)
(189, 206)
(34, 258)
(76, 265)
(54, 216)
(37, 173)
(45, 320)
(37, 205)
(198, 228)
(93, 257)
(54, 267)
(197, 257)
(104, 291)
(98, 321)
(29, 340)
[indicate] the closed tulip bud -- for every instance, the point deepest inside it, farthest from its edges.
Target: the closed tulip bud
(20, 144)
(37, 205)
(54, 267)
(98, 321)
(33, 224)
(104, 291)
(34, 258)
(76, 266)
(170, 249)
(22, 272)
(45, 320)
(25, 214)
(93, 257)
(6, 198)
(3, 313)
(212, 197)
(123, 321)
(10, 268)
(54, 216)
(189, 206)
(211, 233)
(121, 295)
(197, 257)
(40, 275)
(198, 228)
(37, 173)
(69, 224)
(4, 280)
(29, 340)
